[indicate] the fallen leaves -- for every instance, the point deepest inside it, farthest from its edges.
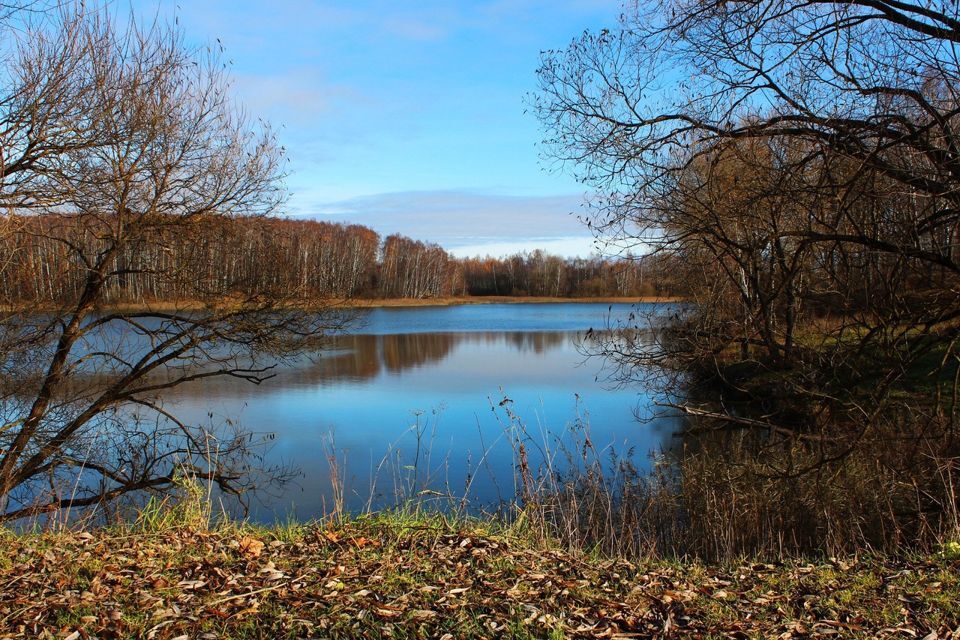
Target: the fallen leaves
(375, 579)
(250, 547)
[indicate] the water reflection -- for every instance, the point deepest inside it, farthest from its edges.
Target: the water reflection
(430, 401)
(427, 389)
(402, 352)
(359, 358)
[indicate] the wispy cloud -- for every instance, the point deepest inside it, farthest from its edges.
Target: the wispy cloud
(420, 102)
(471, 222)
(573, 246)
(298, 96)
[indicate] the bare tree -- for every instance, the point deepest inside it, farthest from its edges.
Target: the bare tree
(875, 82)
(776, 139)
(136, 141)
(798, 161)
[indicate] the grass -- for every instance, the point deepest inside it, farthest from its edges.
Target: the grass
(421, 575)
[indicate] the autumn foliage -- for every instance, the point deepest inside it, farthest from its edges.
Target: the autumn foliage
(295, 259)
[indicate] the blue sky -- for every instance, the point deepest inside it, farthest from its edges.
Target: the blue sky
(407, 116)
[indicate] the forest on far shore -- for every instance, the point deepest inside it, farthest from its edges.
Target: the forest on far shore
(221, 257)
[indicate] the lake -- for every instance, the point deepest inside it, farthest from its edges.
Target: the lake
(431, 398)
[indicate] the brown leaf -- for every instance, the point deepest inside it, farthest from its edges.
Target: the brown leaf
(250, 547)
(191, 584)
(423, 614)
(365, 542)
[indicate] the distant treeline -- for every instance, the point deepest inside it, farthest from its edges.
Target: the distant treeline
(44, 261)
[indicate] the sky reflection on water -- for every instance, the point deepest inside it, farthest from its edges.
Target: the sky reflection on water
(369, 390)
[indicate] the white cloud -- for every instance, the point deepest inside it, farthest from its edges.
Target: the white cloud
(470, 222)
(573, 246)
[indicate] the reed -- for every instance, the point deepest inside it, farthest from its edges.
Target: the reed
(712, 500)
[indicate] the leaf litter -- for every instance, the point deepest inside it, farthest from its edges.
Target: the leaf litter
(374, 578)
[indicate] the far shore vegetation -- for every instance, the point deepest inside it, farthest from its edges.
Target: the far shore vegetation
(358, 303)
(300, 261)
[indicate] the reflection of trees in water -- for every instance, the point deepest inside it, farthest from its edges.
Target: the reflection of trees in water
(352, 358)
(538, 342)
(361, 357)
(408, 351)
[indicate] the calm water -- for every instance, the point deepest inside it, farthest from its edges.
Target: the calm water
(448, 370)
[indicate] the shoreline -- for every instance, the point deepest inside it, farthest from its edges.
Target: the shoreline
(466, 300)
(359, 303)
